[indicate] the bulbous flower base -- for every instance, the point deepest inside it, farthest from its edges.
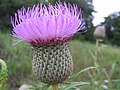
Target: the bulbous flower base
(52, 64)
(99, 32)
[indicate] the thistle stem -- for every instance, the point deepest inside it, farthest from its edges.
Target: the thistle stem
(96, 63)
(96, 53)
(55, 87)
(96, 58)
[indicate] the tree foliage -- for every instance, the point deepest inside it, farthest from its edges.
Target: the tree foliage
(112, 23)
(9, 7)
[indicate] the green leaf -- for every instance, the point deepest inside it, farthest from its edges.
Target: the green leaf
(112, 70)
(83, 70)
(3, 75)
(73, 85)
(92, 55)
(45, 87)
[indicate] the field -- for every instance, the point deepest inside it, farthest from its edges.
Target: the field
(19, 57)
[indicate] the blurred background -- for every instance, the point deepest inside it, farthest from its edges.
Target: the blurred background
(95, 12)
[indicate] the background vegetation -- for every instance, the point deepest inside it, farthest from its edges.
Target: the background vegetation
(18, 57)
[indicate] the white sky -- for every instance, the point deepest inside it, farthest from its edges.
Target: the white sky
(104, 8)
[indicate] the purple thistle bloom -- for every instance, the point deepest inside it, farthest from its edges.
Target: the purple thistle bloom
(48, 29)
(45, 25)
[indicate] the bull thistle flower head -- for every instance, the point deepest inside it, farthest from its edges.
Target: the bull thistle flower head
(48, 29)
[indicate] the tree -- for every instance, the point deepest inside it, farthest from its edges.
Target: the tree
(9, 7)
(112, 23)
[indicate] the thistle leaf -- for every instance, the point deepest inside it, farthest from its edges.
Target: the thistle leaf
(3, 75)
(73, 85)
(83, 70)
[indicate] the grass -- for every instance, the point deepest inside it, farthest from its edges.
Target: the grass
(19, 57)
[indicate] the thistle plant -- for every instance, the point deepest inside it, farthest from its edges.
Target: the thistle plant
(48, 29)
(99, 34)
(3, 75)
(100, 76)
